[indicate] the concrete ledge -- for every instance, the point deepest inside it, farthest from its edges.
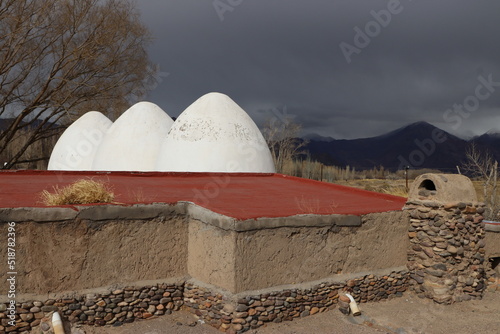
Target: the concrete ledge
(209, 217)
(37, 214)
(437, 204)
(298, 221)
(94, 212)
(137, 211)
(231, 224)
(150, 211)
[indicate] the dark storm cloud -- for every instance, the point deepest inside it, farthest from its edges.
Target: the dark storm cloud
(285, 53)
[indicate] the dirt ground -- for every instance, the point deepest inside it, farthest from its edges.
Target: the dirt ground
(406, 315)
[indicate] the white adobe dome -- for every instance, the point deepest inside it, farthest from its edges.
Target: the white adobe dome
(214, 134)
(133, 142)
(76, 148)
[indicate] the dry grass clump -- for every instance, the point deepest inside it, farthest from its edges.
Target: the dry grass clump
(79, 192)
(396, 191)
(391, 187)
(313, 206)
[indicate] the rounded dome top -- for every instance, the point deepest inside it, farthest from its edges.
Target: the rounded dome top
(214, 134)
(443, 188)
(76, 148)
(133, 142)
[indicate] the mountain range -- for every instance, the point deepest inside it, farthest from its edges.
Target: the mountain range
(418, 145)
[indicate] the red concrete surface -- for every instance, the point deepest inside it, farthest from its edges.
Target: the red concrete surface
(242, 196)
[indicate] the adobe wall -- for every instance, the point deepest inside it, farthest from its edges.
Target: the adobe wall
(290, 255)
(492, 244)
(76, 254)
(64, 250)
(104, 265)
(211, 255)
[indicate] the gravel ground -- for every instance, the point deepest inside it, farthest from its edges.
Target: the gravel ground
(405, 315)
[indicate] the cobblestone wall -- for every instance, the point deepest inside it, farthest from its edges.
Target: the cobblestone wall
(253, 311)
(447, 255)
(224, 312)
(114, 308)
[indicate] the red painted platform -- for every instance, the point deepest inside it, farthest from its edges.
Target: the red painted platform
(242, 196)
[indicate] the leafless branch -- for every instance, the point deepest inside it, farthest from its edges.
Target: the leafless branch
(59, 59)
(282, 139)
(483, 166)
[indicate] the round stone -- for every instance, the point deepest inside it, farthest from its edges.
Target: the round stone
(44, 326)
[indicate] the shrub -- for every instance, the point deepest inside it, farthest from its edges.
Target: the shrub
(79, 192)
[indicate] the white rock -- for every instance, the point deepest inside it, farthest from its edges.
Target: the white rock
(214, 134)
(76, 148)
(133, 142)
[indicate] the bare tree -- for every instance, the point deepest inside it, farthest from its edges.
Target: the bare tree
(282, 138)
(60, 58)
(485, 167)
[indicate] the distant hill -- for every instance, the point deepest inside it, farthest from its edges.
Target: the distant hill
(420, 145)
(489, 141)
(316, 137)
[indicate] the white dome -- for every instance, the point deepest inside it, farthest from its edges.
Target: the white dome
(133, 142)
(215, 135)
(76, 148)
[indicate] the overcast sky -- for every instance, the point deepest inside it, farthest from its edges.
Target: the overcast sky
(345, 69)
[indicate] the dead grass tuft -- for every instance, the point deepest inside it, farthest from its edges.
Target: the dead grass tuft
(306, 205)
(139, 196)
(396, 190)
(313, 206)
(80, 192)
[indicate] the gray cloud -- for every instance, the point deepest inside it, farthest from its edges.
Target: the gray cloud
(268, 54)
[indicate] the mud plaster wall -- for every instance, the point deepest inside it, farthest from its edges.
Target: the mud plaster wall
(82, 254)
(290, 255)
(78, 254)
(492, 244)
(211, 254)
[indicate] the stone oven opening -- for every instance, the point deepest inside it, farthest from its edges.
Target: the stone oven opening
(427, 185)
(494, 264)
